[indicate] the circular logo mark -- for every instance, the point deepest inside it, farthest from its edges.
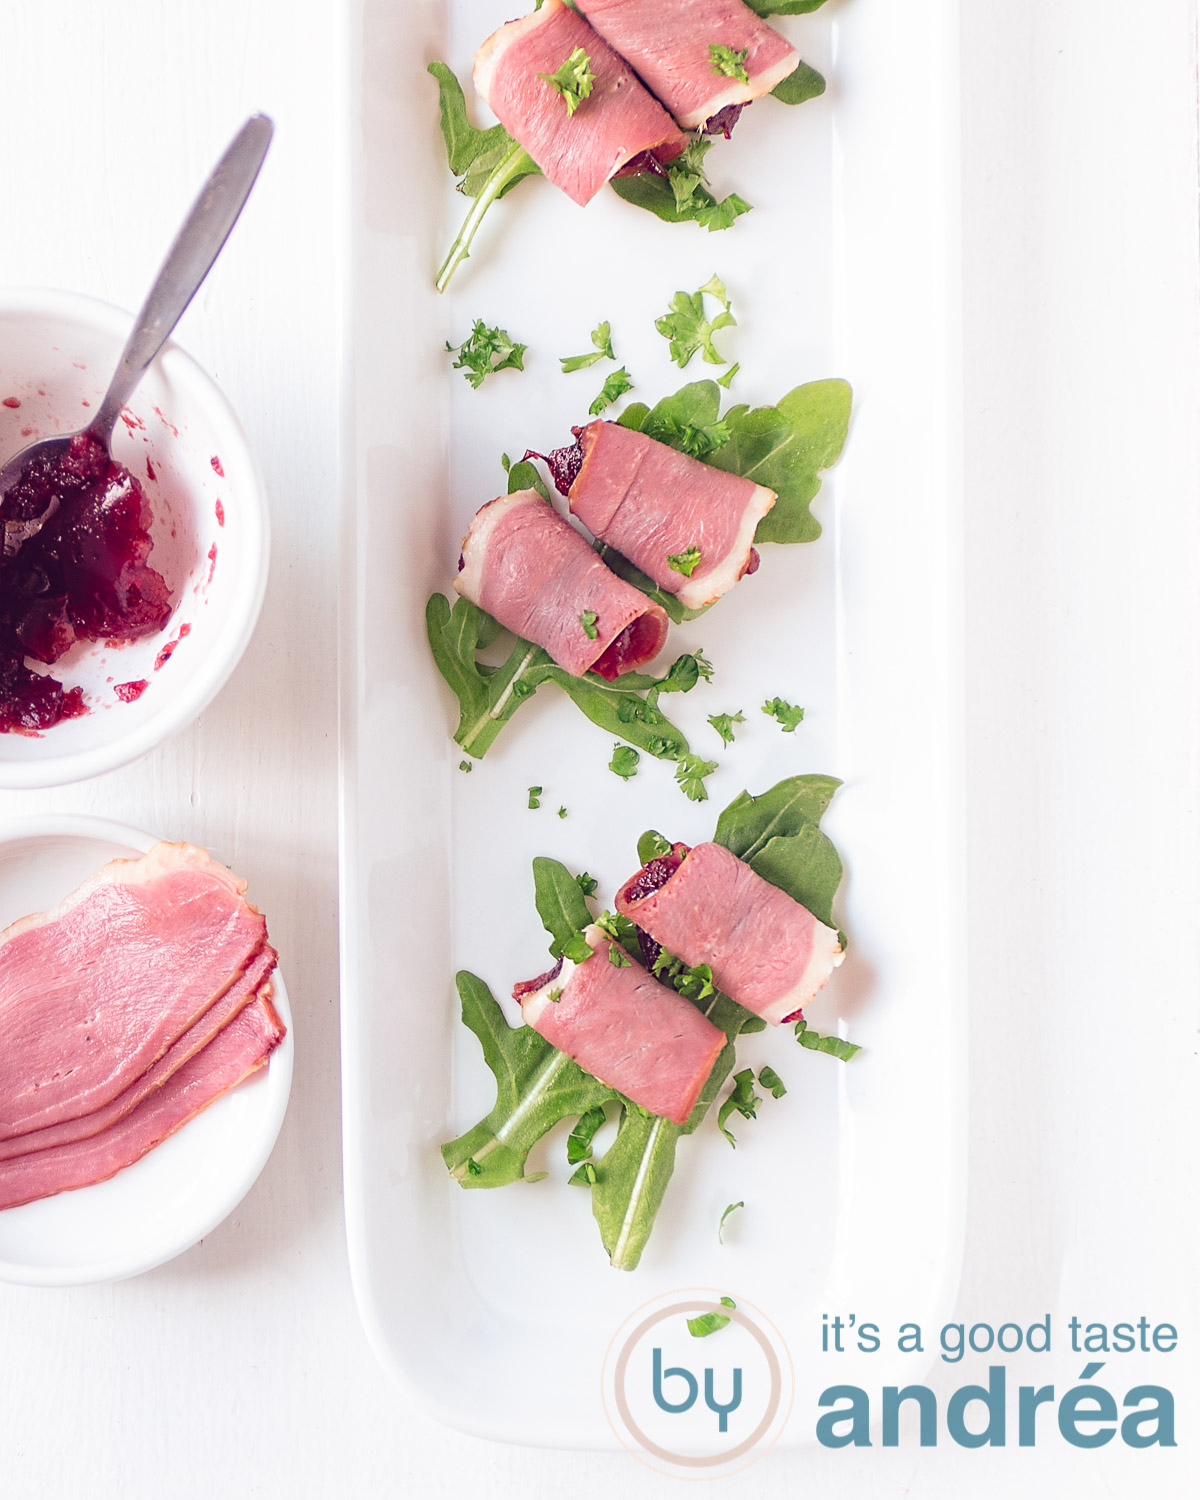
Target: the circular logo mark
(697, 1384)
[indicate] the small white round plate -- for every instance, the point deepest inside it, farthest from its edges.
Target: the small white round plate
(185, 1187)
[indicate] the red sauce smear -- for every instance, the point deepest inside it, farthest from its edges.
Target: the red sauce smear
(525, 987)
(12, 402)
(216, 463)
(130, 692)
(220, 509)
(168, 651)
(212, 563)
(84, 576)
(151, 473)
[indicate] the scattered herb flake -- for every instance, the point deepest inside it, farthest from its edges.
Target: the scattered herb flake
(695, 984)
(723, 724)
(687, 328)
(700, 1327)
(573, 79)
(786, 713)
(579, 1142)
(584, 1175)
(683, 195)
(685, 562)
(562, 812)
(618, 957)
(726, 63)
(835, 1046)
(721, 1226)
(577, 948)
(602, 338)
(555, 995)
(615, 385)
(586, 884)
(464, 765)
(686, 671)
(486, 350)
(624, 762)
(652, 845)
(535, 796)
(771, 1080)
(473, 1167)
(690, 774)
(588, 620)
(726, 380)
(742, 1099)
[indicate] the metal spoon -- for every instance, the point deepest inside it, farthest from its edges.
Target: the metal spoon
(188, 262)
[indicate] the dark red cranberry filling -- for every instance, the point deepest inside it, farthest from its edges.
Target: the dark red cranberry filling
(564, 463)
(629, 649)
(525, 987)
(723, 121)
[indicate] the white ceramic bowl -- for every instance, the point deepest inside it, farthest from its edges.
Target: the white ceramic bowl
(181, 439)
(180, 1191)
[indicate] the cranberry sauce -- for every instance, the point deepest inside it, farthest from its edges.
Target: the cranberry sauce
(84, 576)
(525, 987)
(564, 463)
(628, 649)
(653, 875)
(723, 121)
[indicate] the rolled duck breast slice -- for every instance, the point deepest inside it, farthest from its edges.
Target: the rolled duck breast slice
(617, 122)
(668, 48)
(530, 569)
(237, 1051)
(652, 503)
(254, 984)
(626, 1029)
(96, 990)
(766, 951)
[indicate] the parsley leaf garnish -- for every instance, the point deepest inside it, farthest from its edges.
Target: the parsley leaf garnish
(555, 995)
(726, 63)
(535, 797)
(652, 845)
(587, 884)
(786, 713)
(771, 1080)
(683, 195)
(686, 671)
(588, 620)
(614, 386)
(726, 380)
(723, 724)
(584, 1175)
(835, 1046)
(721, 1226)
(700, 1327)
(689, 437)
(741, 1099)
(685, 562)
(579, 1142)
(578, 949)
(562, 812)
(687, 328)
(624, 761)
(573, 79)
(690, 774)
(486, 350)
(602, 338)
(618, 957)
(464, 765)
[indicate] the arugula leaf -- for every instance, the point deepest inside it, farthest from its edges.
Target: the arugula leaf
(489, 696)
(573, 79)
(602, 338)
(652, 845)
(521, 476)
(741, 1099)
(624, 762)
(771, 1080)
(584, 1175)
(784, 713)
(690, 774)
(535, 797)
(586, 884)
(784, 7)
(785, 447)
(789, 807)
(615, 386)
(560, 901)
(485, 351)
(618, 957)
(726, 63)
(488, 162)
(685, 562)
(620, 928)
(700, 1327)
(798, 87)
(536, 1087)
(835, 1046)
(723, 724)
(682, 195)
(721, 1226)
(687, 328)
(686, 671)
(579, 1142)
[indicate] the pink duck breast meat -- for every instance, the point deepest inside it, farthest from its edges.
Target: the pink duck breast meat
(616, 122)
(626, 1029)
(668, 48)
(766, 951)
(531, 570)
(94, 992)
(651, 504)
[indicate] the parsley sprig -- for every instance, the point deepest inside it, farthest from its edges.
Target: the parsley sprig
(685, 562)
(689, 330)
(486, 350)
(726, 63)
(785, 713)
(602, 339)
(573, 79)
(615, 386)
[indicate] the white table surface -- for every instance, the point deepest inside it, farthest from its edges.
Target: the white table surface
(241, 1368)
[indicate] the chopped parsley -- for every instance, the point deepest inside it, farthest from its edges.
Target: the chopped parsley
(535, 796)
(726, 63)
(721, 1226)
(624, 762)
(588, 620)
(555, 995)
(579, 1142)
(726, 380)
(473, 1167)
(614, 386)
(685, 562)
(586, 883)
(786, 713)
(700, 1327)
(835, 1046)
(723, 724)
(741, 1099)
(686, 671)
(464, 765)
(602, 338)
(688, 437)
(584, 1175)
(687, 328)
(690, 773)
(486, 350)
(573, 79)
(562, 812)
(771, 1080)
(618, 957)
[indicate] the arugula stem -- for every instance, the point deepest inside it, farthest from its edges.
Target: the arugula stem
(629, 1224)
(512, 164)
(476, 738)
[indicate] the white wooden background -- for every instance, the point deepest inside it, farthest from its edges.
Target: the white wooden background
(240, 1369)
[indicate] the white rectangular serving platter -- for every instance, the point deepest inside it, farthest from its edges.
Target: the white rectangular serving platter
(495, 1308)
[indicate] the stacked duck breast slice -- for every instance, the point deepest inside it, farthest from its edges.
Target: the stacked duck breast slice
(142, 997)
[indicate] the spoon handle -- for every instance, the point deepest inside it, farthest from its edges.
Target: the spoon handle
(188, 262)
